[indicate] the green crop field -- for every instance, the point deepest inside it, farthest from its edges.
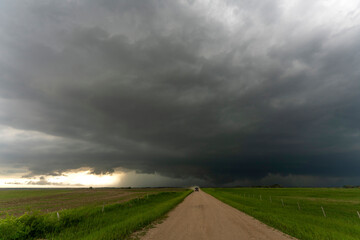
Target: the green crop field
(115, 219)
(299, 211)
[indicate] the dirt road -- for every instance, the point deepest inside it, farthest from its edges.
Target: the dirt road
(201, 216)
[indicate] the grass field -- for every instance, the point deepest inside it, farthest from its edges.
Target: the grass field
(92, 221)
(297, 211)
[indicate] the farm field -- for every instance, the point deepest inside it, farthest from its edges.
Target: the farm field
(299, 211)
(86, 214)
(19, 201)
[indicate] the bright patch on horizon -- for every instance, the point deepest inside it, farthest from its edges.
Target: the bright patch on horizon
(80, 178)
(86, 178)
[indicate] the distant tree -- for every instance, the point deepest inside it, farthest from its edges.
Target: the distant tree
(275, 186)
(90, 187)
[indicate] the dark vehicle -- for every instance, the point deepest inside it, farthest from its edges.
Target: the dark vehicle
(196, 189)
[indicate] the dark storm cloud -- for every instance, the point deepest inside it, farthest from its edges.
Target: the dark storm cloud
(221, 91)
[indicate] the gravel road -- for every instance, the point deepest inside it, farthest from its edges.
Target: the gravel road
(201, 216)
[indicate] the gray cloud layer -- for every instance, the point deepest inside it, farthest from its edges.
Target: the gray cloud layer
(221, 91)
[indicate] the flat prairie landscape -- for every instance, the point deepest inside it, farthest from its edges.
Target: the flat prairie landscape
(17, 202)
(301, 213)
(82, 213)
(304, 213)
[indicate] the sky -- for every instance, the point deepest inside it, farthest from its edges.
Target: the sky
(179, 93)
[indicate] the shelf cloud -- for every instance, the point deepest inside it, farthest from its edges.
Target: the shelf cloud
(226, 92)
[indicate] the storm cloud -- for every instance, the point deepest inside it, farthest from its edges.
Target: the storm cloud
(222, 91)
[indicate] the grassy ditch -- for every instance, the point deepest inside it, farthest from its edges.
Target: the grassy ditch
(299, 211)
(114, 221)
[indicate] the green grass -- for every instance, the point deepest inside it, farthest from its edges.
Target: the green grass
(117, 221)
(340, 205)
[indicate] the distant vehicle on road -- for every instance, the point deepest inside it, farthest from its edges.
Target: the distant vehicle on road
(196, 189)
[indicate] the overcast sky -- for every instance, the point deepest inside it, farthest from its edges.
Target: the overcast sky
(208, 92)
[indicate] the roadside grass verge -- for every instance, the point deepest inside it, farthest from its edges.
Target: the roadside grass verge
(114, 221)
(301, 215)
